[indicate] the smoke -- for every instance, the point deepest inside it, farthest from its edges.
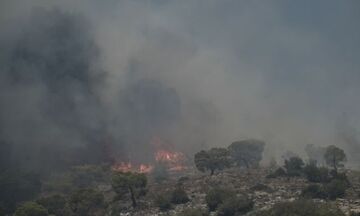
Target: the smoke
(101, 79)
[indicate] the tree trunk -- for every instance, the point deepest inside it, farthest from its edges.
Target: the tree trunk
(212, 172)
(134, 204)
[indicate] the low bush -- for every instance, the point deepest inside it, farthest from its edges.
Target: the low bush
(316, 174)
(216, 196)
(279, 172)
(31, 209)
(163, 202)
(336, 189)
(302, 208)
(55, 204)
(314, 191)
(332, 190)
(261, 187)
(193, 212)
(235, 206)
(84, 202)
(342, 177)
(179, 196)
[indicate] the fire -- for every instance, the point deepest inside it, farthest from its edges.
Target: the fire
(173, 160)
(129, 167)
(122, 167)
(144, 168)
(167, 156)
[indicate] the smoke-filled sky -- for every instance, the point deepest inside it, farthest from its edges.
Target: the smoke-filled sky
(194, 72)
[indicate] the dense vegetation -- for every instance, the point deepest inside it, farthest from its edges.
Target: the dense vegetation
(74, 192)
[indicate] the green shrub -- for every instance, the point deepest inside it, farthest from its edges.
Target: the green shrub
(342, 177)
(179, 196)
(163, 202)
(84, 202)
(279, 172)
(302, 208)
(314, 191)
(316, 174)
(216, 196)
(336, 188)
(31, 209)
(55, 204)
(192, 212)
(235, 206)
(86, 176)
(131, 183)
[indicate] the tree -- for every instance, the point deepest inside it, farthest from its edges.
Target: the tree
(129, 182)
(334, 157)
(294, 166)
(315, 153)
(214, 159)
(316, 174)
(85, 202)
(247, 152)
(31, 209)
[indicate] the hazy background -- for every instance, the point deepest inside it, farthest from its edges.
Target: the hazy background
(105, 77)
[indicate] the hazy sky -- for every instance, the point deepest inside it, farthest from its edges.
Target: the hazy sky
(282, 71)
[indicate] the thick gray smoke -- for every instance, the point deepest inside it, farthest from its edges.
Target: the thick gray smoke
(98, 80)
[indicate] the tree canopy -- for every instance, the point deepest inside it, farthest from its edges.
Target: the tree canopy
(247, 152)
(213, 159)
(334, 157)
(129, 182)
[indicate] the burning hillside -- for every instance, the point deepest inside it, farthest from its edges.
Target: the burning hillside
(173, 160)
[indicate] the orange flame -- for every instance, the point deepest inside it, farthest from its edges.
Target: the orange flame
(129, 167)
(174, 161)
